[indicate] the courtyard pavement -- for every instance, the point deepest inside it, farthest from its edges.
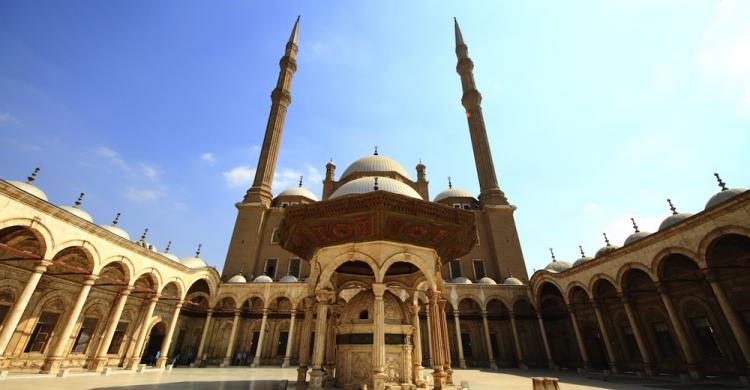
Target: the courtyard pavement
(270, 378)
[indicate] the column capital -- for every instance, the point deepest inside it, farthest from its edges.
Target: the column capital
(237, 312)
(155, 297)
(624, 298)
(441, 303)
(378, 289)
(414, 309)
(710, 275)
(662, 288)
(127, 290)
(179, 304)
(265, 311)
(324, 296)
(209, 312)
(308, 303)
(42, 266)
(484, 313)
(433, 295)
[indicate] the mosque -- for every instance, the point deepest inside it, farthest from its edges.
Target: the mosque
(373, 283)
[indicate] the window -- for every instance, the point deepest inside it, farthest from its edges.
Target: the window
(664, 340)
(363, 315)
(466, 345)
(42, 332)
(117, 338)
(4, 309)
(466, 206)
(84, 335)
(631, 344)
(270, 268)
(704, 332)
(294, 267)
(457, 205)
(479, 269)
(455, 269)
(284, 204)
(281, 347)
(275, 236)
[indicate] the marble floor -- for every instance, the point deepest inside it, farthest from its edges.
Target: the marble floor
(270, 378)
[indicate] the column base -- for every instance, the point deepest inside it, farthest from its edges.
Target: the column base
(98, 364)
(256, 362)
(439, 379)
(3, 362)
(649, 369)
(51, 365)
(552, 365)
(449, 376)
(161, 362)
(694, 372)
(613, 368)
(132, 363)
(462, 363)
(523, 366)
(378, 380)
(226, 362)
(286, 363)
(493, 365)
(418, 378)
(316, 379)
(301, 374)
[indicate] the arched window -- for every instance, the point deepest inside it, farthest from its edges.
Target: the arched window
(363, 315)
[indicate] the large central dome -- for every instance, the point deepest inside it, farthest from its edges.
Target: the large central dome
(364, 185)
(375, 163)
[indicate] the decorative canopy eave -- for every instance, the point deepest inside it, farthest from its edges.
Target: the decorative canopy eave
(377, 216)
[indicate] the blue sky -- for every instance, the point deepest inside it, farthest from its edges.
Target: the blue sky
(596, 111)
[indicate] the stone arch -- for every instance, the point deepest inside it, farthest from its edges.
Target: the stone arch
(716, 234)
(174, 287)
(546, 279)
(423, 265)
(596, 279)
(657, 263)
(341, 258)
(125, 261)
(86, 246)
(154, 273)
(201, 284)
(500, 299)
(226, 302)
(571, 289)
(630, 266)
(40, 230)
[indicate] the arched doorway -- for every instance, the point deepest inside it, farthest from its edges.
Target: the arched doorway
(589, 327)
(153, 344)
(558, 327)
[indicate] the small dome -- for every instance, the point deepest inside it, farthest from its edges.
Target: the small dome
(28, 187)
(673, 219)
(194, 262)
(375, 163)
(486, 280)
(581, 260)
(511, 281)
(117, 231)
(723, 196)
(635, 237)
(170, 256)
(452, 193)
(263, 279)
(237, 279)
(78, 213)
(298, 191)
(367, 184)
(461, 280)
(558, 266)
(288, 279)
(605, 250)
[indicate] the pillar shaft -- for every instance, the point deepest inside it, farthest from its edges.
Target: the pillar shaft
(204, 335)
(679, 330)
(289, 341)
(261, 337)
(167, 342)
(15, 313)
(135, 358)
(429, 333)
(731, 316)
(316, 375)
(459, 340)
(446, 343)
(488, 340)
(304, 345)
(114, 318)
(232, 335)
(642, 347)
(605, 336)
(579, 337)
(547, 350)
(378, 346)
(516, 341)
(436, 340)
(417, 341)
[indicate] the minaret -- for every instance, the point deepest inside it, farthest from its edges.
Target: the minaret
(490, 192)
(260, 192)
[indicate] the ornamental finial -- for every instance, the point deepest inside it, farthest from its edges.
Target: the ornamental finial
(376, 184)
(169, 245)
(606, 239)
(31, 178)
(376, 151)
(722, 185)
(79, 200)
(671, 207)
(635, 226)
(143, 236)
(551, 252)
(300, 181)
(116, 220)
(581, 248)
(450, 183)
(198, 251)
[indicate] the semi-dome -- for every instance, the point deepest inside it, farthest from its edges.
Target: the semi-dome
(723, 196)
(367, 184)
(78, 213)
(511, 281)
(673, 219)
(452, 193)
(28, 187)
(375, 163)
(486, 280)
(635, 237)
(558, 266)
(263, 279)
(461, 280)
(582, 259)
(239, 278)
(298, 191)
(194, 262)
(605, 250)
(170, 256)
(288, 279)
(117, 231)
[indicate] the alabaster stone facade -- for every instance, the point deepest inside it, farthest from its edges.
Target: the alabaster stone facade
(373, 283)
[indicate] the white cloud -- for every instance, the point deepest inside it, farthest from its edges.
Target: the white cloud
(140, 195)
(208, 157)
(592, 208)
(6, 117)
(621, 227)
(241, 176)
(724, 55)
(149, 171)
(113, 157)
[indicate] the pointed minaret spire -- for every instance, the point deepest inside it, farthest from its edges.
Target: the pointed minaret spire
(635, 227)
(31, 178)
(722, 185)
(79, 200)
(490, 192)
(671, 207)
(116, 220)
(260, 192)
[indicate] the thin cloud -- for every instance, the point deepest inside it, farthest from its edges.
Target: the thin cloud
(208, 157)
(240, 176)
(142, 195)
(6, 117)
(149, 171)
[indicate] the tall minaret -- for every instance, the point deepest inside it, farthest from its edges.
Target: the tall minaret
(260, 192)
(490, 192)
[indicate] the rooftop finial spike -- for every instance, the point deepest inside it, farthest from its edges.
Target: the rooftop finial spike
(295, 32)
(450, 183)
(551, 252)
(31, 178)
(581, 248)
(169, 245)
(376, 184)
(459, 37)
(721, 183)
(635, 227)
(300, 181)
(198, 251)
(79, 200)
(116, 220)
(606, 239)
(510, 273)
(376, 151)
(143, 236)
(671, 207)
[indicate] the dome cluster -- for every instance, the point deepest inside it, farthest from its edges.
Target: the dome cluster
(240, 278)
(720, 197)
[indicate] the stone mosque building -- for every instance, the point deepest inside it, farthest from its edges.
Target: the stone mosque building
(374, 283)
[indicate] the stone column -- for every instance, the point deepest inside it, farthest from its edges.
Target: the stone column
(547, 350)
(378, 338)
(459, 340)
(204, 335)
(417, 350)
(167, 342)
(579, 338)
(517, 342)
(100, 359)
(331, 345)
(679, 330)
(429, 332)
(304, 345)
(446, 350)
(316, 375)
(648, 366)
(436, 340)
(261, 337)
(135, 358)
(488, 340)
(730, 315)
(605, 337)
(15, 313)
(55, 356)
(230, 347)
(290, 341)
